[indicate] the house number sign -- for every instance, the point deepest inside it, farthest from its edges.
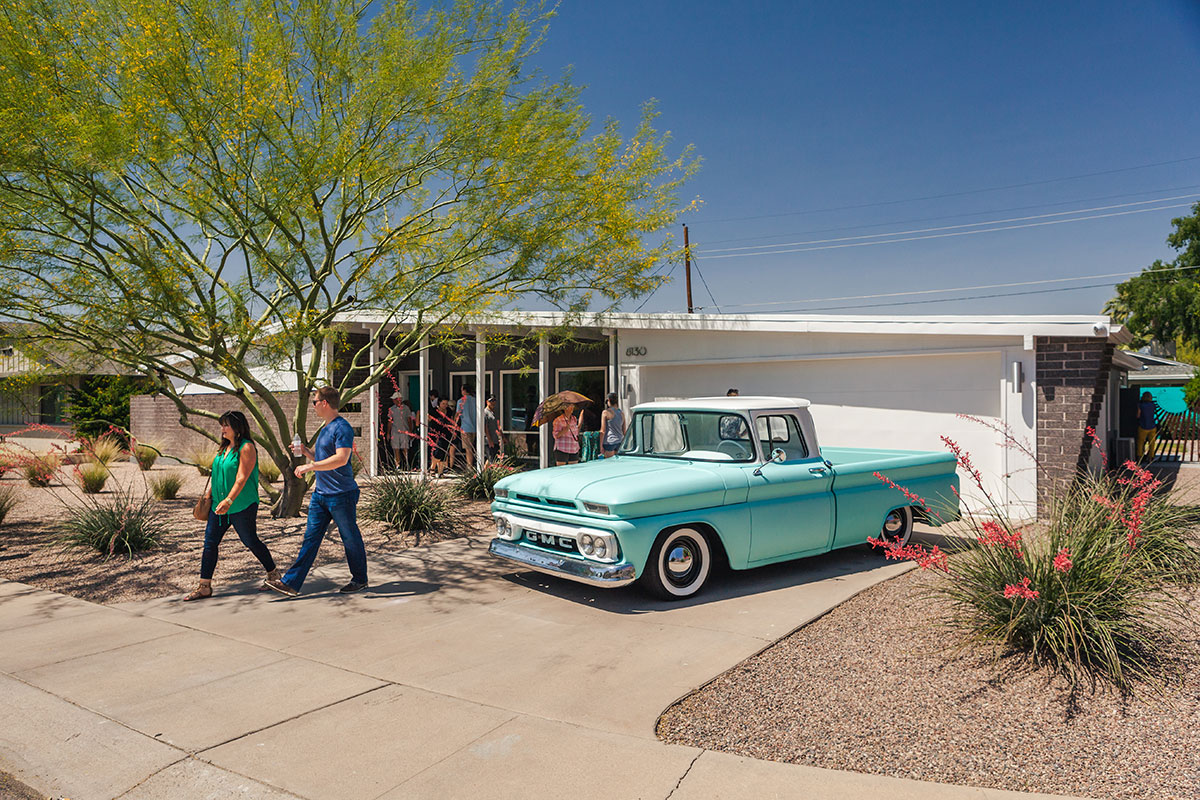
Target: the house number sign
(635, 351)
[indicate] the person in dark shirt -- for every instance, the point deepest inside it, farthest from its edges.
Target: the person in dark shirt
(1147, 431)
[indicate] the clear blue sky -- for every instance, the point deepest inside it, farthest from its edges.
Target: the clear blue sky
(803, 109)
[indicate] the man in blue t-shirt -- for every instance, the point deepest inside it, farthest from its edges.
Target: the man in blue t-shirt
(465, 418)
(334, 498)
(1147, 428)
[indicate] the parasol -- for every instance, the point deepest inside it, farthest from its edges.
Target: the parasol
(554, 406)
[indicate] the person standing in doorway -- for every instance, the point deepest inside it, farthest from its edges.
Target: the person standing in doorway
(493, 437)
(334, 498)
(1147, 430)
(612, 427)
(400, 418)
(465, 420)
(589, 433)
(566, 437)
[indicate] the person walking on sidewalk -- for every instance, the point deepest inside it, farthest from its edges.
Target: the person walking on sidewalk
(235, 482)
(334, 498)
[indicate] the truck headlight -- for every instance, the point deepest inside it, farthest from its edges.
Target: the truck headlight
(504, 528)
(600, 546)
(587, 544)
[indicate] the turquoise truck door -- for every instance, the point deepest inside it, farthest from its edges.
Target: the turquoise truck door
(791, 502)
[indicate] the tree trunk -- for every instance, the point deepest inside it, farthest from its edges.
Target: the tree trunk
(288, 504)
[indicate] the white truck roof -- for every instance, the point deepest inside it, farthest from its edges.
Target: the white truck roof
(740, 403)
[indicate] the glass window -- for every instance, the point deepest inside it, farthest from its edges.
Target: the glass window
(781, 431)
(693, 435)
(518, 399)
(52, 405)
(589, 382)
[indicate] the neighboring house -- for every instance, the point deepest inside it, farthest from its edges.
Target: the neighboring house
(35, 383)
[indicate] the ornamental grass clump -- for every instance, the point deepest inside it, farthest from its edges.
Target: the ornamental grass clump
(166, 487)
(480, 484)
(409, 504)
(202, 459)
(92, 477)
(119, 524)
(268, 471)
(8, 500)
(1092, 593)
(39, 470)
(104, 449)
(146, 453)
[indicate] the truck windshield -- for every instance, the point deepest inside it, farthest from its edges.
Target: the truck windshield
(692, 435)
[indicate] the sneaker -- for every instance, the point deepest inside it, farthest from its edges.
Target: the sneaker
(352, 587)
(281, 587)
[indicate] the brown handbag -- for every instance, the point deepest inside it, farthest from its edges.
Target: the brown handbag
(200, 512)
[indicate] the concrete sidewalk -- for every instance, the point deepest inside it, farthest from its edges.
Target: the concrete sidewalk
(452, 677)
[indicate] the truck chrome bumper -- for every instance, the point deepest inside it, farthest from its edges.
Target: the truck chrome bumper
(591, 573)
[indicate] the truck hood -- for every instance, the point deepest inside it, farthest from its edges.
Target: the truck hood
(630, 486)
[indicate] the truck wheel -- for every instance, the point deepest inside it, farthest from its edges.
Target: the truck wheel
(678, 565)
(898, 526)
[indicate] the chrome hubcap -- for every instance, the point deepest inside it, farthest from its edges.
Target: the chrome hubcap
(679, 561)
(893, 523)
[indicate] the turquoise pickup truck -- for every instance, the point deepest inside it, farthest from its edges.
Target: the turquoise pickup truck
(734, 480)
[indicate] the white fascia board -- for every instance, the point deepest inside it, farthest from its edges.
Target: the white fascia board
(957, 325)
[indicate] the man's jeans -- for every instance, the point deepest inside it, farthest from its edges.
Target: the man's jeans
(341, 508)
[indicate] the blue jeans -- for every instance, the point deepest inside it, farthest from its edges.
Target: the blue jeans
(245, 522)
(341, 508)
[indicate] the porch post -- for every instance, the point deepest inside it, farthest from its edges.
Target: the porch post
(423, 401)
(480, 396)
(544, 392)
(373, 417)
(614, 368)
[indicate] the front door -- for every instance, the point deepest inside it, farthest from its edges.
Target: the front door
(791, 503)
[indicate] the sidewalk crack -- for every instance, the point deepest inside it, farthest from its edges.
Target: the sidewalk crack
(679, 782)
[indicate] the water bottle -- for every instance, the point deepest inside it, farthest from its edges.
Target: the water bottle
(296, 445)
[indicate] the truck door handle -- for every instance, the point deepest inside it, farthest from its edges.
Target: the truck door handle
(817, 470)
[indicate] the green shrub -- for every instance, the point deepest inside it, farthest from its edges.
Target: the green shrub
(481, 484)
(166, 487)
(8, 499)
(92, 478)
(1191, 392)
(101, 402)
(409, 503)
(1093, 594)
(103, 449)
(146, 453)
(202, 459)
(118, 523)
(39, 469)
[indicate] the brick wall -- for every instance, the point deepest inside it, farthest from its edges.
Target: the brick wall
(1072, 377)
(155, 418)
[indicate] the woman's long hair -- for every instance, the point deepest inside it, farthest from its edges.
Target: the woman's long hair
(236, 420)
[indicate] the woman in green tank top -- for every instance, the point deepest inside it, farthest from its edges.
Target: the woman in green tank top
(233, 502)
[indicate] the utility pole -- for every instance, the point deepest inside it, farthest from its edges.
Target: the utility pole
(687, 268)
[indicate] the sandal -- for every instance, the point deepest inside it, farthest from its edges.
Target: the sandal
(273, 575)
(199, 593)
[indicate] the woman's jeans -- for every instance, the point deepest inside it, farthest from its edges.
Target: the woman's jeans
(245, 522)
(341, 508)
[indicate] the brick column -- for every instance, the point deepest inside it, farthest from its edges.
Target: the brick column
(1072, 377)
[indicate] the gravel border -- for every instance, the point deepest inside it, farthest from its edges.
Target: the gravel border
(889, 698)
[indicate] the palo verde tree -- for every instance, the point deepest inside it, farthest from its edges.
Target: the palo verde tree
(198, 188)
(1163, 301)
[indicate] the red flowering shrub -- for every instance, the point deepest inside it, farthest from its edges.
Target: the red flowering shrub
(1091, 593)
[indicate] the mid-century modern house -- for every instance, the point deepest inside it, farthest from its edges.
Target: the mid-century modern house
(885, 382)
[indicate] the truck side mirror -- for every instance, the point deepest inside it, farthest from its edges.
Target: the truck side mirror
(778, 456)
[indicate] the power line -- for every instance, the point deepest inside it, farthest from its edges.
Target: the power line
(955, 227)
(696, 264)
(956, 299)
(913, 292)
(955, 194)
(669, 273)
(948, 235)
(954, 216)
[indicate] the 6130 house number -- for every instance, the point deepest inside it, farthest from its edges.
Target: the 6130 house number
(635, 351)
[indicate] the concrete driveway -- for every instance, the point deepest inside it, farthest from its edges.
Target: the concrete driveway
(453, 677)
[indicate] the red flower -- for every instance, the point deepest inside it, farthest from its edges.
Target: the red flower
(913, 552)
(1023, 591)
(1062, 561)
(994, 533)
(964, 461)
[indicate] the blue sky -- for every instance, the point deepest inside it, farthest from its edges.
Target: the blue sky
(820, 121)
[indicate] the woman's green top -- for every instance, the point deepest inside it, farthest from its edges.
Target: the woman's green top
(224, 474)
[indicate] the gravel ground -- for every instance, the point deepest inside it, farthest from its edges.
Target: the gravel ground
(29, 552)
(887, 698)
